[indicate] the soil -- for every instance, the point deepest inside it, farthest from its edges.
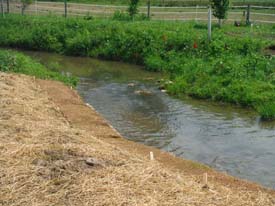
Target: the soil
(56, 150)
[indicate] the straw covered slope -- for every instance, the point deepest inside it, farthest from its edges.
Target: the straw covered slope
(45, 161)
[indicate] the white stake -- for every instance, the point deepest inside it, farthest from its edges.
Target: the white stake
(205, 179)
(151, 156)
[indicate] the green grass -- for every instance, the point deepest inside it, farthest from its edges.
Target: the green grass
(231, 68)
(16, 62)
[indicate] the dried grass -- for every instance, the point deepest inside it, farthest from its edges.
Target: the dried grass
(43, 162)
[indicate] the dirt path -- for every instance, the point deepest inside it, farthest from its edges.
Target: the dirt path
(55, 150)
(157, 13)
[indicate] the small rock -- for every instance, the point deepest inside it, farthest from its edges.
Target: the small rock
(237, 23)
(163, 90)
(131, 84)
(143, 92)
(161, 87)
(149, 78)
(115, 136)
(205, 187)
(93, 162)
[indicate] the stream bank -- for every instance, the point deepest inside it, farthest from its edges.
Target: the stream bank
(229, 139)
(49, 137)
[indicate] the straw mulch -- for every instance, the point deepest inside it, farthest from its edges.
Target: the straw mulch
(44, 161)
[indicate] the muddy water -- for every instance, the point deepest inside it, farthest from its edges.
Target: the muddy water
(229, 139)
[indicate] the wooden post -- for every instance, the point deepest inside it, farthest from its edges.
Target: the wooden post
(196, 19)
(152, 156)
(205, 179)
(148, 9)
(36, 7)
(66, 8)
(248, 15)
(2, 8)
(209, 23)
(8, 6)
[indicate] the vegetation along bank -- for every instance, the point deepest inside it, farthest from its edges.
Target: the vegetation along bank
(15, 62)
(231, 68)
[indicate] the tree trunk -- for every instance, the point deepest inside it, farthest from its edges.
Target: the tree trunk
(220, 23)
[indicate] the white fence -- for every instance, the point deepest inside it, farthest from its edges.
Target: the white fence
(259, 14)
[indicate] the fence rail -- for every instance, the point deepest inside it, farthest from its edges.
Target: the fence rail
(259, 14)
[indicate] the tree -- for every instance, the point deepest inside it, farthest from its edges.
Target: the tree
(133, 8)
(220, 8)
(25, 4)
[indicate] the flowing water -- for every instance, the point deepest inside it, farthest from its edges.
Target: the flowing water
(227, 138)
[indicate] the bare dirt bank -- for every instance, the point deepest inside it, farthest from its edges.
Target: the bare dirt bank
(47, 134)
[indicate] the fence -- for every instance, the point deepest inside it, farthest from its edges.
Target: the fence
(258, 14)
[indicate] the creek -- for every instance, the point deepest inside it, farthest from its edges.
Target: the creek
(227, 138)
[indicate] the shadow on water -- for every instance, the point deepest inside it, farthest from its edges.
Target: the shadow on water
(227, 138)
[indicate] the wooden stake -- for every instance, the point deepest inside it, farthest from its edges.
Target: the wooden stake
(66, 8)
(205, 179)
(248, 15)
(148, 9)
(151, 156)
(8, 6)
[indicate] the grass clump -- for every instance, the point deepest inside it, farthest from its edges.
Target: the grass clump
(267, 111)
(18, 63)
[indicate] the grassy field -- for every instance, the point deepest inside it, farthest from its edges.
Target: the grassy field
(231, 68)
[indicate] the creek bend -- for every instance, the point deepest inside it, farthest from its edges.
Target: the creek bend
(226, 138)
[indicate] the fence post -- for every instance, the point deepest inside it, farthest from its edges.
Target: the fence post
(8, 6)
(248, 15)
(209, 23)
(2, 8)
(66, 9)
(36, 7)
(148, 9)
(196, 19)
